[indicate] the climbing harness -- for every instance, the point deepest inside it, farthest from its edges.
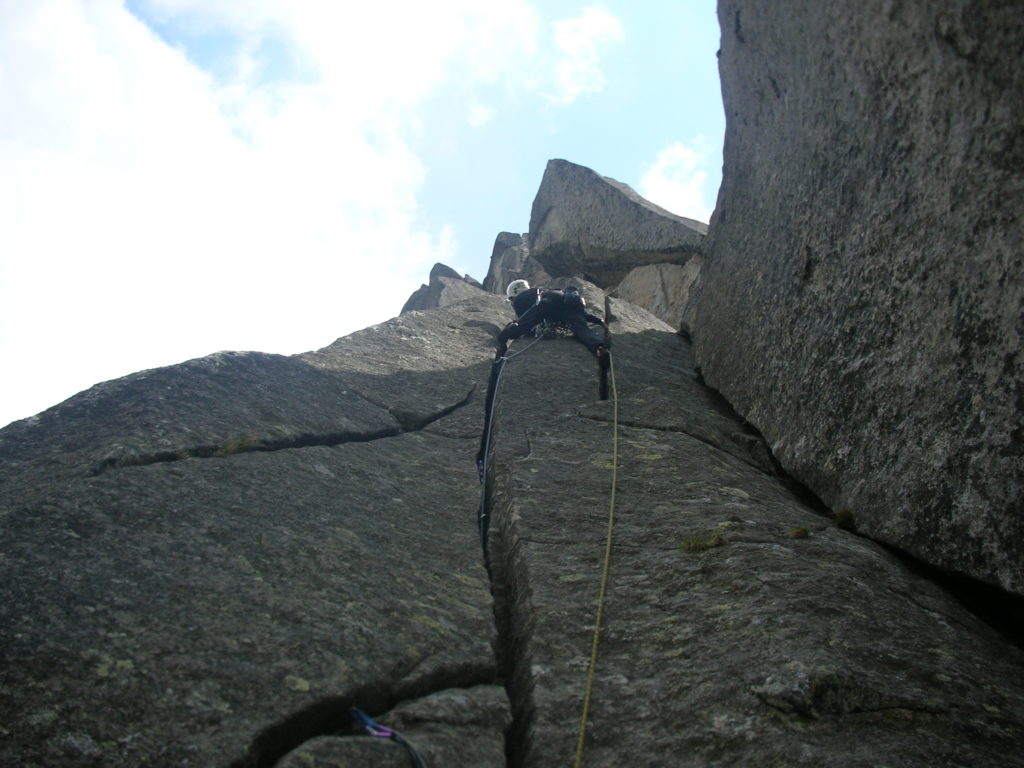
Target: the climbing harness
(595, 642)
(383, 732)
(551, 329)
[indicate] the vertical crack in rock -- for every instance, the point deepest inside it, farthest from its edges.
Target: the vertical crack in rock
(695, 622)
(513, 615)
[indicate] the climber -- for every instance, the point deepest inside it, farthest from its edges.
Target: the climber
(532, 307)
(562, 307)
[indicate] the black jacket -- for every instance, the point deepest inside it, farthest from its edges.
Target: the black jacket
(524, 300)
(560, 303)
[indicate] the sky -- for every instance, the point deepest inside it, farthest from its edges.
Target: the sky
(180, 177)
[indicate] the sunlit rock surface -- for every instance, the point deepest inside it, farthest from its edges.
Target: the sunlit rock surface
(589, 225)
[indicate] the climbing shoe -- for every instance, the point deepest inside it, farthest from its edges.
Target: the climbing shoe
(504, 337)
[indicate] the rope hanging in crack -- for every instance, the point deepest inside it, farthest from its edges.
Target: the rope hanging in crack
(497, 368)
(588, 690)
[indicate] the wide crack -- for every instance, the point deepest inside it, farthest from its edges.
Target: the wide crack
(407, 422)
(510, 591)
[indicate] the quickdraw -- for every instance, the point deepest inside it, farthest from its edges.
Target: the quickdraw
(383, 732)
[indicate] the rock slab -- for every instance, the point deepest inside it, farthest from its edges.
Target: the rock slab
(209, 564)
(741, 627)
(192, 607)
(861, 299)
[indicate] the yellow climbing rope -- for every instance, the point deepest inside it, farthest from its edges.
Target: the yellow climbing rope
(604, 571)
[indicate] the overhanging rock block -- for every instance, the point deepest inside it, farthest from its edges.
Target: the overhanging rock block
(590, 225)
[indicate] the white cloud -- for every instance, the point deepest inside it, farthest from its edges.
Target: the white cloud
(382, 53)
(479, 115)
(578, 70)
(677, 179)
(151, 212)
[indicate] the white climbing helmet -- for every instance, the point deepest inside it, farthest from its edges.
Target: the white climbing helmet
(515, 288)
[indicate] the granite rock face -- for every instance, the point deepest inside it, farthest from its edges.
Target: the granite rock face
(861, 299)
(454, 727)
(740, 626)
(445, 287)
(663, 289)
(211, 563)
(598, 228)
(511, 260)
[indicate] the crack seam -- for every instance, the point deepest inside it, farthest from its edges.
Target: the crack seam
(698, 438)
(328, 440)
(330, 716)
